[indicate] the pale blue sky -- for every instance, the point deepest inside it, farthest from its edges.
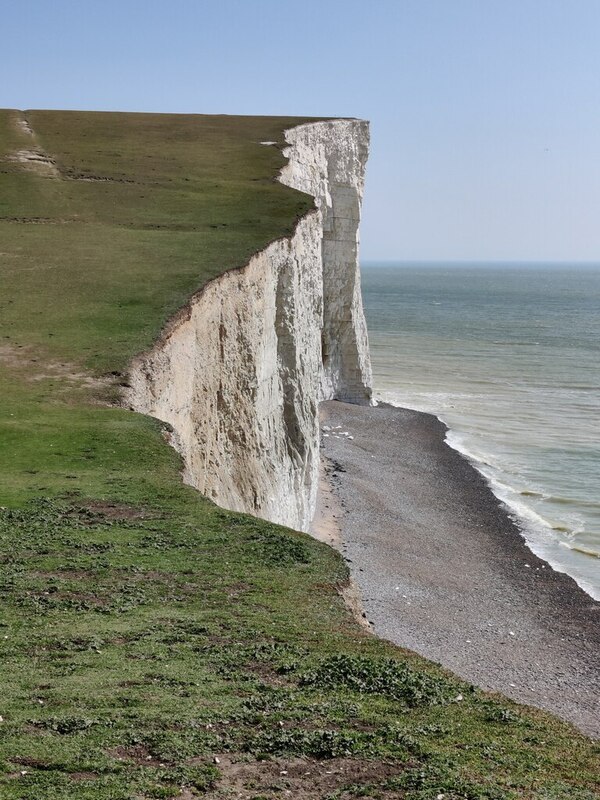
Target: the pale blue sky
(485, 113)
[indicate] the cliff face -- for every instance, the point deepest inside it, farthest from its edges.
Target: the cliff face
(240, 372)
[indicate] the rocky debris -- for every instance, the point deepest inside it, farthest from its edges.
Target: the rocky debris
(24, 126)
(335, 432)
(35, 161)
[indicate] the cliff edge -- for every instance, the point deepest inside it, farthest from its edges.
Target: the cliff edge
(240, 371)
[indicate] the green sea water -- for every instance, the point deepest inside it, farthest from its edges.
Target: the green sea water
(508, 356)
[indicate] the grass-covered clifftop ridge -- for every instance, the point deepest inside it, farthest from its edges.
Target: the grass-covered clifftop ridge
(153, 645)
(131, 214)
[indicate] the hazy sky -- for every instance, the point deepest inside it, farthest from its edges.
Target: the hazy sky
(485, 113)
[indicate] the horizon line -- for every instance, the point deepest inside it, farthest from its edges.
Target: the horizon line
(515, 261)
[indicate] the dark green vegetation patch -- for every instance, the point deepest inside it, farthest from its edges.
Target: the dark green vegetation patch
(153, 645)
(387, 677)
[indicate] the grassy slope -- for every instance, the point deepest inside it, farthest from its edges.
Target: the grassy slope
(144, 630)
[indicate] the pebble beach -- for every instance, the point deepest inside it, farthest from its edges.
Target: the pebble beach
(444, 571)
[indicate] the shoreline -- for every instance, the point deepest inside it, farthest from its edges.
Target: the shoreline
(445, 571)
(528, 521)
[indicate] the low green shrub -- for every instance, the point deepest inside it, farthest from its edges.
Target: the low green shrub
(384, 676)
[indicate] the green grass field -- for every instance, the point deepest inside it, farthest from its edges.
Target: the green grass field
(152, 644)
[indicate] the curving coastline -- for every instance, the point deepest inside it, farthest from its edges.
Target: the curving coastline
(239, 373)
(535, 530)
(533, 527)
(443, 569)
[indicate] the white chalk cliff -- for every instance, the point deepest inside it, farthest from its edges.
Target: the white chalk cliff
(239, 373)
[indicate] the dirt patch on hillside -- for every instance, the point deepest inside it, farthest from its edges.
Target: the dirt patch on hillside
(32, 158)
(115, 511)
(35, 161)
(23, 126)
(37, 368)
(301, 778)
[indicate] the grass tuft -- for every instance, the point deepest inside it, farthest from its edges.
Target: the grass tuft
(386, 677)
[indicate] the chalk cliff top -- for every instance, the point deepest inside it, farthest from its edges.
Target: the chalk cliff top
(107, 213)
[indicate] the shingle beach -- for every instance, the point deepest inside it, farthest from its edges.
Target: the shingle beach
(444, 571)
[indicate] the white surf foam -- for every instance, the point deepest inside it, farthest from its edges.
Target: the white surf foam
(542, 537)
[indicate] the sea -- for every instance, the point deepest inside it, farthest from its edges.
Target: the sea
(508, 357)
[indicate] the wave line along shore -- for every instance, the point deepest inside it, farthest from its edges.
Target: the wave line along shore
(444, 571)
